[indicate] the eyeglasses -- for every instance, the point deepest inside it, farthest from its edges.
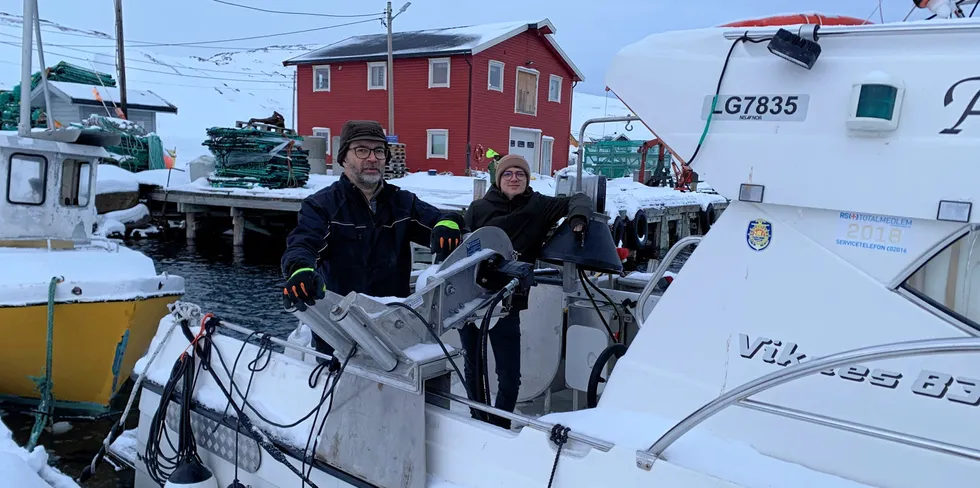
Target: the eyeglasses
(363, 152)
(520, 175)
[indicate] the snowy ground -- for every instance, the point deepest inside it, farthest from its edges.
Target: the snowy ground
(23, 469)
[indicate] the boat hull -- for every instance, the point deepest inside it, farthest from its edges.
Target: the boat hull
(95, 345)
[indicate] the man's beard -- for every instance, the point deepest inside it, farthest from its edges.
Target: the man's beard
(368, 179)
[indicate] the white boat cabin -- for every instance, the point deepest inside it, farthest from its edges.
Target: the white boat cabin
(48, 189)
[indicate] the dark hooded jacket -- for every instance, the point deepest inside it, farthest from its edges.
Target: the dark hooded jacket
(527, 218)
(355, 249)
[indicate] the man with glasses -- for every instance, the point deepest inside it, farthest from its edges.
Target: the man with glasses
(356, 234)
(526, 216)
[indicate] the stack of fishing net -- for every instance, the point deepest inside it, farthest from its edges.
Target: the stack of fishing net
(64, 72)
(251, 158)
(138, 150)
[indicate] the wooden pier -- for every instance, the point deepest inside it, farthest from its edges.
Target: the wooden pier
(263, 213)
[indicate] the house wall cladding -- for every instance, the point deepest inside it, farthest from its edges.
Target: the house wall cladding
(496, 114)
(417, 107)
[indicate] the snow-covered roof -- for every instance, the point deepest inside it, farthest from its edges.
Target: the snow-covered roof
(83, 94)
(449, 41)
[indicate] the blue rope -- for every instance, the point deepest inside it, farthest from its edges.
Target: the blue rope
(44, 383)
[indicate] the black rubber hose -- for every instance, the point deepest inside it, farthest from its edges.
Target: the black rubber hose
(592, 394)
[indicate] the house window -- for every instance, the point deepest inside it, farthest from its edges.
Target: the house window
(495, 77)
(377, 75)
(439, 73)
(554, 89)
(76, 183)
(526, 98)
(946, 280)
(26, 179)
(321, 78)
(323, 132)
(547, 149)
(437, 146)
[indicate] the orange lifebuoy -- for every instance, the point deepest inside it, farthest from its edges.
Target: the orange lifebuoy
(794, 19)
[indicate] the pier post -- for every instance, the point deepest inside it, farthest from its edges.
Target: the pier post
(238, 226)
(190, 224)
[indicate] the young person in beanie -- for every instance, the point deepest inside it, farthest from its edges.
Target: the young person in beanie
(526, 216)
(356, 234)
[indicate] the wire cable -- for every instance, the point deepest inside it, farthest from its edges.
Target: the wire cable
(305, 14)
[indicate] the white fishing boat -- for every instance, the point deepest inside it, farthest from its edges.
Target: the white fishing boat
(821, 334)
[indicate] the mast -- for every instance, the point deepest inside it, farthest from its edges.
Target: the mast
(24, 125)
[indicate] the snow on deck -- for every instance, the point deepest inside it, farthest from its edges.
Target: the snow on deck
(699, 450)
(24, 469)
(109, 272)
(113, 179)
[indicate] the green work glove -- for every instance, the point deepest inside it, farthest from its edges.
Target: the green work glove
(446, 236)
(302, 289)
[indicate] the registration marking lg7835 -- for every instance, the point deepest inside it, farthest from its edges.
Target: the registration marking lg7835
(763, 107)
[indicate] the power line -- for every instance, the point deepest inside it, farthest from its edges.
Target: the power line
(155, 71)
(165, 65)
(113, 46)
(306, 14)
(202, 43)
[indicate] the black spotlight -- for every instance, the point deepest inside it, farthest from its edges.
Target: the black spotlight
(795, 49)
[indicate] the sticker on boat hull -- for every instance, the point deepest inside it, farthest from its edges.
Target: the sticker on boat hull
(771, 107)
(881, 233)
(759, 234)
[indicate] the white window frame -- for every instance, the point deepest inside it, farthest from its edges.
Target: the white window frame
(329, 81)
(374, 64)
(428, 143)
(560, 81)
(545, 140)
(537, 82)
(499, 64)
(327, 137)
(449, 71)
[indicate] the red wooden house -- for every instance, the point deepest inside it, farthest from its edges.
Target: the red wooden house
(502, 86)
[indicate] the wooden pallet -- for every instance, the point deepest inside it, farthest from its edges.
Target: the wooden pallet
(265, 127)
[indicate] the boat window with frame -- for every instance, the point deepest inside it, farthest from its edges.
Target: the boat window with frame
(76, 179)
(950, 279)
(27, 179)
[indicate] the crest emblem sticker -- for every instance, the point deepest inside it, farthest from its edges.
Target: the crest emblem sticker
(759, 234)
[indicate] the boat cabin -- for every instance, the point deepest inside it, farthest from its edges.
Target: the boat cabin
(48, 190)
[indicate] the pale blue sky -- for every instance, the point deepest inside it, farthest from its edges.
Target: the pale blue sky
(590, 31)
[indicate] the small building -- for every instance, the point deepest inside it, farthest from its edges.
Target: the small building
(504, 86)
(74, 102)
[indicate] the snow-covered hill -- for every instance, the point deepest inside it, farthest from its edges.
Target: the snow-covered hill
(220, 89)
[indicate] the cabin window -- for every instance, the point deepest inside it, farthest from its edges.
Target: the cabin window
(438, 144)
(554, 89)
(439, 73)
(321, 78)
(76, 180)
(950, 280)
(495, 76)
(27, 179)
(526, 98)
(377, 75)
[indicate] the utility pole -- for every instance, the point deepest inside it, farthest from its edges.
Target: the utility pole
(388, 80)
(390, 77)
(121, 59)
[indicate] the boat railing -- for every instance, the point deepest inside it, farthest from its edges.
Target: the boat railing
(661, 270)
(646, 459)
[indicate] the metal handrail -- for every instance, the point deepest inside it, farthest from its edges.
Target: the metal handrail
(645, 459)
(861, 30)
(659, 273)
(581, 143)
(534, 423)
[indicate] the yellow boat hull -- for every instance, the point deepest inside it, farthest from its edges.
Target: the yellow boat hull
(95, 347)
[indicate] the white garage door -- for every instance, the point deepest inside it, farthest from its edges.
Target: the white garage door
(525, 142)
